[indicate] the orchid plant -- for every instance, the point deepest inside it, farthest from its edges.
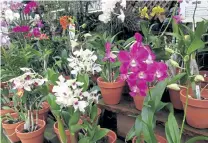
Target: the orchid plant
(83, 64)
(30, 88)
(67, 105)
(109, 74)
(138, 67)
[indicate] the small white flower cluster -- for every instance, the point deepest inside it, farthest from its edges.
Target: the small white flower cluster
(28, 80)
(108, 8)
(83, 61)
(69, 93)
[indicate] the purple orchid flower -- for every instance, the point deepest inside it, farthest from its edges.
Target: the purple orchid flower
(36, 32)
(137, 87)
(109, 55)
(160, 70)
(30, 6)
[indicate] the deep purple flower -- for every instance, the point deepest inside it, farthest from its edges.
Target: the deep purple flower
(109, 55)
(23, 28)
(36, 32)
(30, 6)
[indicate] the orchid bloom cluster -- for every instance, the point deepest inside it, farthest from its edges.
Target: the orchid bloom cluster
(108, 8)
(69, 93)
(31, 6)
(83, 62)
(28, 81)
(138, 67)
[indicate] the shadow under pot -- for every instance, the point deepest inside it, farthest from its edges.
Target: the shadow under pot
(36, 136)
(111, 91)
(175, 98)
(197, 110)
(160, 139)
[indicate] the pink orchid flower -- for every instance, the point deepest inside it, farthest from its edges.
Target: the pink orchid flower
(109, 55)
(23, 28)
(30, 6)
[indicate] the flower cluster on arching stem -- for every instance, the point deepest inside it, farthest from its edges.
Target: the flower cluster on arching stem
(69, 93)
(28, 81)
(138, 67)
(83, 61)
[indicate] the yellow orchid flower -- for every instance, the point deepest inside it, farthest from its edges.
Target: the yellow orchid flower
(143, 13)
(157, 10)
(20, 92)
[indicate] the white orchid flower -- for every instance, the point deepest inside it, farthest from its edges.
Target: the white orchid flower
(121, 16)
(80, 105)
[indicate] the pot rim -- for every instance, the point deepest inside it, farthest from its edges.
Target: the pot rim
(112, 135)
(10, 126)
(157, 137)
(193, 102)
(115, 84)
(29, 134)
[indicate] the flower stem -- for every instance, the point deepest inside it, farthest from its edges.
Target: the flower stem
(185, 110)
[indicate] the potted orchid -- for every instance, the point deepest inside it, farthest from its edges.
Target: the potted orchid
(83, 65)
(111, 85)
(193, 97)
(140, 70)
(67, 105)
(30, 88)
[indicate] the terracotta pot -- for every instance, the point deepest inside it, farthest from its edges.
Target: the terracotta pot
(160, 139)
(175, 98)
(111, 91)
(10, 128)
(112, 137)
(31, 137)
(43, 113)
(197, 110)
(3, 84)
(5, 111)
(55, 127)
(205, 82)
(138, 101)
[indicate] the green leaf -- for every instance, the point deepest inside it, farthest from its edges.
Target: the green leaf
(84, 140)
(195, 45)
(175, 27)
(75, 128)
(100, 134)
(198, 138)
(85, 79)
(93, 112)
(61, 131)
(74, 118)
(130, 134)
(173, 128)
(200, 29)
(144, 29)
(176, 78)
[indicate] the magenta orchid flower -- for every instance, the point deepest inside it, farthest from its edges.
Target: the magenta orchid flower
(30, 6)
(109, 55)
(23, 28)
(138, 67)
(178, 18)
(36, 32)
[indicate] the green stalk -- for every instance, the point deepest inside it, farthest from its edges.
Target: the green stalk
(185, 111)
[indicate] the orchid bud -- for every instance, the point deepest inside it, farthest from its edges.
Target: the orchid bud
(186, 37)
(84, 25)
(198, 78)
(186, 58)
(174, 63)
(169, 50)
(174, 86)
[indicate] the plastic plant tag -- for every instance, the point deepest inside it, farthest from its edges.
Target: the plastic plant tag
(198, 94)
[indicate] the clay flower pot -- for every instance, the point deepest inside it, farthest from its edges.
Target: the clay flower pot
(43, 113)
(160, 139)
(205, 75)
(138, 101)
(197, 110)
(175, 98)
(112, 137)
(31, 137)
(10, 128)
(111, 91)
(5, 111)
